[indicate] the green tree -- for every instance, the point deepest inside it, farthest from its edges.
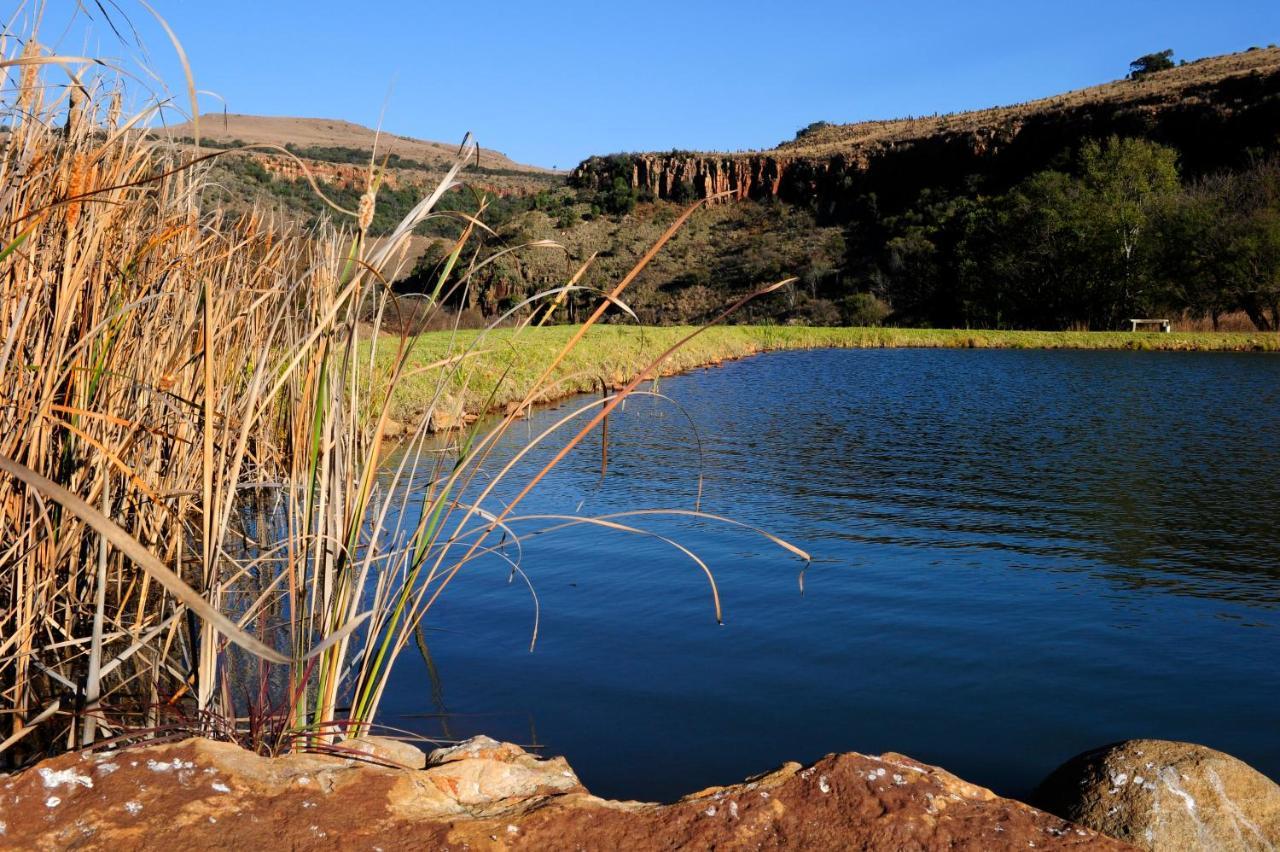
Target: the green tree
(682, 192)
(1150, 64)
(812, 128)
(1125, 182)
(620, 199)
(1245, 236)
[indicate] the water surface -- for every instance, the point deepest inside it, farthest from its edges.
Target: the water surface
(1017, 556)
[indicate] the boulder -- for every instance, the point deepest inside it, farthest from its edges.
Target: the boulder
(482, 794)
(387, 750)
(1162, 795)
(446, 415)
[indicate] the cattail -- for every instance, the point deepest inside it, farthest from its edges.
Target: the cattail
(28, 82)
(77, 185)
(364, 214)
(76, 98)
(113, 110)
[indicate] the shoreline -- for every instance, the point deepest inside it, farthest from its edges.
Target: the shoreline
(506, 362)
(375, 792)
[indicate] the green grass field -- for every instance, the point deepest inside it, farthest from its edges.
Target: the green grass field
(505, 363)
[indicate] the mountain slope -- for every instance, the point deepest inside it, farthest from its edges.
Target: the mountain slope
(1210, 110)
(223, 128)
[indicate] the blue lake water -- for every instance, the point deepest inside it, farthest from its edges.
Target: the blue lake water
(1017, 556)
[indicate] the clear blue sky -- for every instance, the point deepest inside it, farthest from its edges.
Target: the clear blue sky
(552, 82)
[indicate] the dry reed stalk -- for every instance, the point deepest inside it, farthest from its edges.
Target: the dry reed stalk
(192, 490)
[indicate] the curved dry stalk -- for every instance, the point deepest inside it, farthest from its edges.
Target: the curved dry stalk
(132, 548)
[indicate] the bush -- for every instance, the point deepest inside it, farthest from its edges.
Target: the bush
(1150, 64)
(863, 309)
(812, 128)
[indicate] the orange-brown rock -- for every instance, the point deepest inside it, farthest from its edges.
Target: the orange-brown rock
(482, 794)
(1161, 795)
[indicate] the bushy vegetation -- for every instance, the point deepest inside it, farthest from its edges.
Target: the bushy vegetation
(1111, 235)
(392, 160)
(1151, 63)
(238, 173)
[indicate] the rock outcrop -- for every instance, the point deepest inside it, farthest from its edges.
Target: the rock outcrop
(482, 794)
(1161, 795)
(1210, 111)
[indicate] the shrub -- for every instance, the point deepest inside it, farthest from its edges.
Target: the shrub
(863, 309)
(1150, 64)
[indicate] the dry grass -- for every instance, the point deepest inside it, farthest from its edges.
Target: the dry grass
(306, 132)
(195, 531)
(1175, 84)
(1236, 322)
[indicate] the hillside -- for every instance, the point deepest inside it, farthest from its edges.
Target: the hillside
(951, 221)
(1210, 110)
(334, 133)
(337, 155)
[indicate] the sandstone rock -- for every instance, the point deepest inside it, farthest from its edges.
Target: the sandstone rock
(446, 415)
(392, 428)
(483, 794)
(395, 752)
(1162, 795)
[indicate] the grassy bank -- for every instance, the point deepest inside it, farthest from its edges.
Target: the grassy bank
(502, 367)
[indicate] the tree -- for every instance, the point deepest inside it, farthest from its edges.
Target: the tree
(682, 191)
(1150, 64)
(1249, 243)
(1125, 181)
(811, 128)
(620, 199)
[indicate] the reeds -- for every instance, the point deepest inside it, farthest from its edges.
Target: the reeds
(197, 534)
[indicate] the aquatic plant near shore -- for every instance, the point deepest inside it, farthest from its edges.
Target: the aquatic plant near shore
(194, 535)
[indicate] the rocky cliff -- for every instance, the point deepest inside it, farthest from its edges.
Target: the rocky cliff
(1213, 111)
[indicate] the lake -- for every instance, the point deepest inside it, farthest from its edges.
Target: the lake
(1017, 556)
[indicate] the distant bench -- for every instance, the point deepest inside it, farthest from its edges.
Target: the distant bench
(1163, 324)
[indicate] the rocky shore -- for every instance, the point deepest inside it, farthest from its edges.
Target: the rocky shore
(482, 794)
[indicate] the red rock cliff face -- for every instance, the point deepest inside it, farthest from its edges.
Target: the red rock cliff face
(780, 174)
(660, 174)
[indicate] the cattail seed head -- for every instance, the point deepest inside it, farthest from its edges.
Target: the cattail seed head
(364, 214)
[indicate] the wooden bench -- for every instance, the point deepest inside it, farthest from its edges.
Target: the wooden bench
(1163, 324)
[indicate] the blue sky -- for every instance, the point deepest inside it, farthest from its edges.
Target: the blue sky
(552, 82)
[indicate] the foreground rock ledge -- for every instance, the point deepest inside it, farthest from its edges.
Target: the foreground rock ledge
(482, 794)
(1158, 795)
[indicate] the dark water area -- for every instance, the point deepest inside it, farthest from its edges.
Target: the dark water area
(1016, 556)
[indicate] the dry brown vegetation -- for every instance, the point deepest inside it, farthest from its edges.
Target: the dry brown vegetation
(325, 132)
(196, 531)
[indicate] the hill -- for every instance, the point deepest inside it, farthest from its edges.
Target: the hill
(226, 128)
(1210, 110)
(337, 155)
(994, 218)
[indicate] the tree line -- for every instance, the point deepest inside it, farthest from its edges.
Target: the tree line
(1113, 232)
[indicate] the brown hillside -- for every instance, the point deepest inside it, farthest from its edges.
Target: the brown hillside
(1210, 110)
(308, 132)
(1176, 83)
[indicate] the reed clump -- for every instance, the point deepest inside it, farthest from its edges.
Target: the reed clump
(196, 531)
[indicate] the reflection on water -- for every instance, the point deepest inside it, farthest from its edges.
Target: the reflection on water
(1017, 556)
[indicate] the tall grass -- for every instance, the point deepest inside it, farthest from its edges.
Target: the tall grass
(196, 534)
